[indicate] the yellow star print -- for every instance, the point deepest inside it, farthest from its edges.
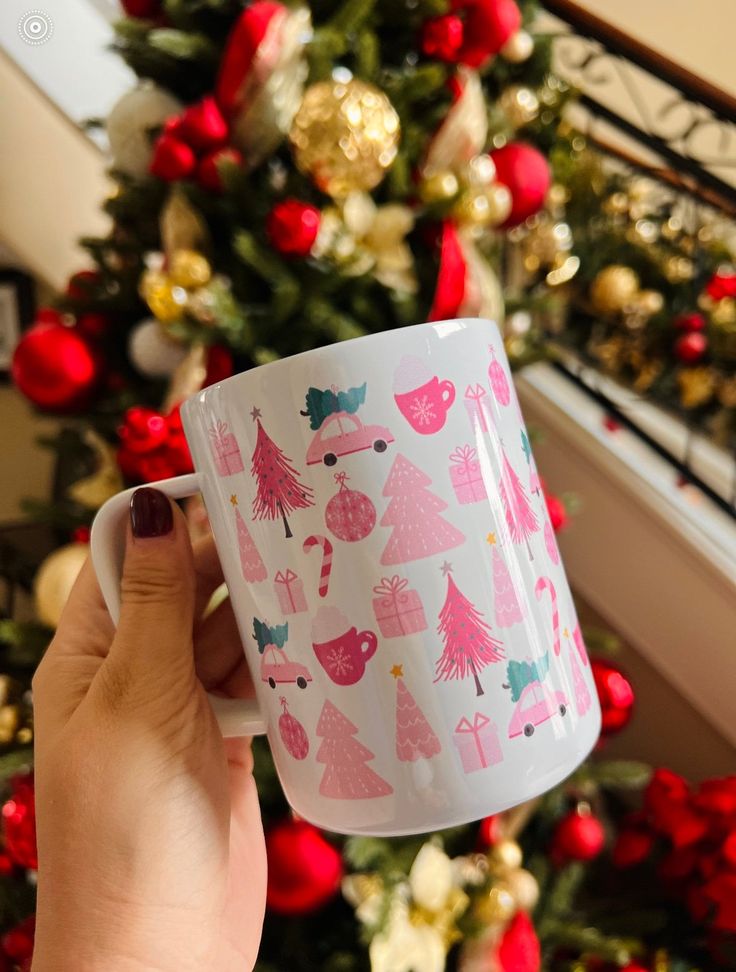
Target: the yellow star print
(397, 671)
(234, 499)
(491, 538)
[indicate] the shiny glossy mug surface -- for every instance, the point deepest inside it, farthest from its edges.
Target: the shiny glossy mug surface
(397, 584)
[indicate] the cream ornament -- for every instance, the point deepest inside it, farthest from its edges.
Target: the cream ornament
(104, 482)
(55, 579)
(518, 48)
(152, 352)
(130, 123)
(431, 877)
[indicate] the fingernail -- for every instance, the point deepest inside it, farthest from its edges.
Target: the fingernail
(150, 513)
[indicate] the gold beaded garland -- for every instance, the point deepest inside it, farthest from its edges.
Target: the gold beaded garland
(439, 187)
(345, 135)
(504, 856)
(497, 906)
(613, 288)
(520, 104)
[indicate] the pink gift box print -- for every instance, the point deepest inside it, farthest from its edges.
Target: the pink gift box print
(465, 475)
(477, 743)
(290, 592)
(398, 611)
(225, 451)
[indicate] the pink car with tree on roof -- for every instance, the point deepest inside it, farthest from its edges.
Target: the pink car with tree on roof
(342, 434)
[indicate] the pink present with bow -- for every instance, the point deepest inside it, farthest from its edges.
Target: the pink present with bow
(290, 591)
(465, 475)
(476, 405)
(477, 743)
(225, 451)
(398, 611)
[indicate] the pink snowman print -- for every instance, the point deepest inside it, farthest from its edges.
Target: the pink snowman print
(422, 398)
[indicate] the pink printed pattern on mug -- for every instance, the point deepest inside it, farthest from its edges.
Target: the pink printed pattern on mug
(415, 738)
(325, 545)
(338, 431)
(583, 700)
(398, 611)
(289, 591)
(477, 743)
(347, 775)
(465, 475)
(550, 542)
(278, 489)
(349, 514)
(542, 585)
(577, 637)
(497, 378)
(251, 562)
(535, 703)
(469, 647)
(520, 517)
(277, 668)
(506, 601)
(341, 649)
(476, 405)
(292, 732)
(420, 396)
(225, 450)
(414, 513)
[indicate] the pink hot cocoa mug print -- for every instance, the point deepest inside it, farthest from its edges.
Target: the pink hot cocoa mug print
(422, 398)
(341, 649)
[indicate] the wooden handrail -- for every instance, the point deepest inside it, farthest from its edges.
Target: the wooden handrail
(619, 42)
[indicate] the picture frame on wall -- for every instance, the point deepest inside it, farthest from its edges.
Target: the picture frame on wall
(17, 309)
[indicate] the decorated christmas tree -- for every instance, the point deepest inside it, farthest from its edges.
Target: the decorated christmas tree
(278, 488)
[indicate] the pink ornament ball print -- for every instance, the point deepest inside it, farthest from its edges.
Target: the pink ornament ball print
(350, 515)
(292, 732)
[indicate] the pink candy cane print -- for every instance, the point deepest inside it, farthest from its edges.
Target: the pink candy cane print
(317, 540)
(545, 584)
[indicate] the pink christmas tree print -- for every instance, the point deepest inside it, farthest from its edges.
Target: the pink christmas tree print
(346, 775)
(415, 738)
(520, 516)
(581, 690)
(278, 488)
(469, 646)
(414, 513)
(506, 602)
(251, 562)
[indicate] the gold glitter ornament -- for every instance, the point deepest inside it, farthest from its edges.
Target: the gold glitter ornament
(613, 288)
(520, 105)
(499, 203)
(497, 907)
(524, 887)
(9, 722)
(678, 269)
(167, 302)
(724, 312)
(189, 269)
(345, 135)
(439, 187)
(505, 856)
(696, 385)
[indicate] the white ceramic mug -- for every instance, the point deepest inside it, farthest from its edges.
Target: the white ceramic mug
(396, 582)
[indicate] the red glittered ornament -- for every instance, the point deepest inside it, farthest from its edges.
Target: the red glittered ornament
(172, 159)
(721, 285)
(442, 37)
(292, 227)
(472, 32)
(519, 949)
(557, 512)
(152, 446)
(55, 367)
(304, 870)
(202, 125)
(578, 837)
(525, 173)
(208, 170)
(143, 429)
(691, 347)
(615, 693)
(689, 322)
(19, 822)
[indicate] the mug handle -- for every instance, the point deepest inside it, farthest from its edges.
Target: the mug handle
(236, 717)
(447, 390)
(370, 641)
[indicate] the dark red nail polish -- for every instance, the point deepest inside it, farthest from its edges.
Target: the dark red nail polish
(150, 513)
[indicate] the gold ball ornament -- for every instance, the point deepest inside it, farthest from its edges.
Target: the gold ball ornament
(723, 313)
(167, 302)
(505, 856)
(613, 288)
(520, 105)
(696, 385)
(55, 579)
(345, 135)
(524, 887)
(679, 269)
(439, 187)
(24, 735)
(9, 722)
(518, 48)
(480, 171)
(497, 907)
(189, 269)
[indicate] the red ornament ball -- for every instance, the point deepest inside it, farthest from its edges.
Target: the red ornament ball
(472, 32)
(442, 37)
(632, 846)
(519, 949)
(578, 837)
(146, 9)
(557, 512)
(691, 347)
(525, 172)
(19, 822)
(202, 125)
(172, 159)
(208, 170)
(490, 830)
(304, 870)
(152, 446)
(55, 368)
(219, 365)
(615, 693)
(292, 227)
(689, 322)
(82, 284)
(143, 429)
(721, 285)
(81, 534)
(17, 943)
(93, 325)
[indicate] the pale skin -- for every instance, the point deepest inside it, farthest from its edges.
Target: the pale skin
(151, 853)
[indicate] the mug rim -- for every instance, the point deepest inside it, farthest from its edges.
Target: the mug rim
(324, 349)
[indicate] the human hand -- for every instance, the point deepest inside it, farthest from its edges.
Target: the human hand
(151, 853)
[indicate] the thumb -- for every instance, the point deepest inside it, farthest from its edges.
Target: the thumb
(153, 642)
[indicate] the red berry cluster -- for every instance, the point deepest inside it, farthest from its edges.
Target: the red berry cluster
(692, 343)
(472, 32)
(152, 445)
(693, 832)
(193, 144)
